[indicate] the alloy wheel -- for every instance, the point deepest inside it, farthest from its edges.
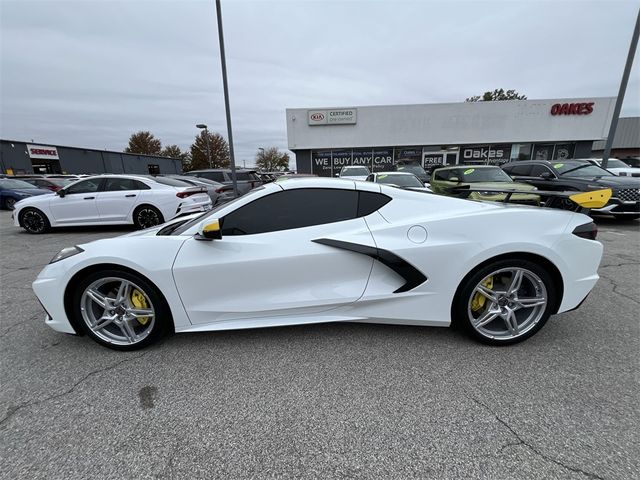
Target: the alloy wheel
(507, 303)
(33, 221)
(117, 311)
(148, 217)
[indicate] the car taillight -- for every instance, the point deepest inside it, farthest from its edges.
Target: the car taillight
(185, 194)
(587, 230)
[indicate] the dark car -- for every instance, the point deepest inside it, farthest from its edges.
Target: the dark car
(53, 184)
(580, 176)
(414, 168)
(12, 191)
(247, 179)
(218, 192)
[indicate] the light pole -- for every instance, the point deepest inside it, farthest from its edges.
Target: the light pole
(261, 149)
(225, 87)
(206, 136)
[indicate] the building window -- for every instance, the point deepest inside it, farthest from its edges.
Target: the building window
(563, 151)
(521, 151)
(321, 163)
(543, 152)
(153, 169)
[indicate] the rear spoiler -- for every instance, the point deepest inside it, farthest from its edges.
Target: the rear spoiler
(576, 201)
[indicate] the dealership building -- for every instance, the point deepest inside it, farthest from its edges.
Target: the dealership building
(18, 157)
(326, 139)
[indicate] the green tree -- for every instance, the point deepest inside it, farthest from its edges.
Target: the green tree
(496, 95)
(144, 143)
(272, 160)
(217, 147)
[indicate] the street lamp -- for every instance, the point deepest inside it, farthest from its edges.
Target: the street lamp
(202, 126)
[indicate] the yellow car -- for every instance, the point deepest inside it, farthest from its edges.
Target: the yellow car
(444, 181)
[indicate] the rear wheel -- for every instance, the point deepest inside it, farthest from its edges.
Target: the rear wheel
(505, 302)
(120, 310)
(34, 221)
(147, 216)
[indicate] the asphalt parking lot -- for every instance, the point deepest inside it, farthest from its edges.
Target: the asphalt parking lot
(322, 401)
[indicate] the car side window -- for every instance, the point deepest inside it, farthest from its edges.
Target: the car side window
(120, 184)
(538, 170)
(85, 186)
(292, 209)
(519, 170)
(370, 178)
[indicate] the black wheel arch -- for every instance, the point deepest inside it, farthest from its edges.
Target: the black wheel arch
(547, 264)
(78, 276)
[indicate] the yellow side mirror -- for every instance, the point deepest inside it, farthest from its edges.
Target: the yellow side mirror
(211, 230)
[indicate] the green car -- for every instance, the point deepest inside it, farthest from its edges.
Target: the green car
(481, 176)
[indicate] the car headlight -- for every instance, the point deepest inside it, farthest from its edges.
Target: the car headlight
(66, 253)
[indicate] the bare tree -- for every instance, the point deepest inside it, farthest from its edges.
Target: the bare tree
(497, 95)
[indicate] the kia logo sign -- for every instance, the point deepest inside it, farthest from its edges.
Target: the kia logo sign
(572, 108)
(317, 117)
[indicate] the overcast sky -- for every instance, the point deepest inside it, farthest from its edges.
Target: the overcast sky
(90, 73)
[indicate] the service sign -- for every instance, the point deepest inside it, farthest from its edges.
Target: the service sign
(344, 116)
(42, 152)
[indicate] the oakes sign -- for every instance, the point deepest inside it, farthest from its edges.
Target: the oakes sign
(486, 154)
(344, 116)
(42, 152)
(584, 108)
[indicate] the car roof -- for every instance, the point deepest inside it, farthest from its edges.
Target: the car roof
(395, 173)
(466, 165)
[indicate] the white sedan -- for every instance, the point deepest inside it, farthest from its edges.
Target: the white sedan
(326, 250)
(111, 200)
(618, 167)
(399, 179)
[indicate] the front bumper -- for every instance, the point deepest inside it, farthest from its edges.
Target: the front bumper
(51, 298)
(619, 207)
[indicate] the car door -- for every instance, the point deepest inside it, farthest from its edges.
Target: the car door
(118, 198)
(269, 262)
(78, 203)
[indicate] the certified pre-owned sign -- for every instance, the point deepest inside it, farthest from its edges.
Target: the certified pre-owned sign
(344, 116)
(42, 152)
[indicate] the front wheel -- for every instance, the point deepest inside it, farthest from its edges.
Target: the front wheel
(505, 302)
(121, 310)
(34, 221)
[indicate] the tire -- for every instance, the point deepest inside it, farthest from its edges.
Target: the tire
(104, 304)
(146, 216)
(34, 221)
(625, 218)
(9, 203)
(508, 318)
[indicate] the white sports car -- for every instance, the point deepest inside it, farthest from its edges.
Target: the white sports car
(111, 200)
(328, 250)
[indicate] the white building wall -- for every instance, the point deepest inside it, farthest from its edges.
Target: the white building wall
(453, 124)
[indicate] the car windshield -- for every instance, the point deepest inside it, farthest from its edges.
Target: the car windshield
(9, 183)
(580, 169)
(408, 180)
(355, 171)
(61, 182)
(415, 169)
(476, 175)
(615, 163)
(172, 182)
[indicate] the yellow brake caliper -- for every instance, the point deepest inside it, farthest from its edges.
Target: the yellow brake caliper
(138, 301)
(478, 300)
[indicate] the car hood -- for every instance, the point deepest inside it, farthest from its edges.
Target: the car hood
(149, 232)
(355, 177)
(608, 181)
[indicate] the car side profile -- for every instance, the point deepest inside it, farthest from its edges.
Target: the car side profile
(316, 250)
(139, 200)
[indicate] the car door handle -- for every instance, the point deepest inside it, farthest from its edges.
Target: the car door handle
(89, 198)
(132, 195)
